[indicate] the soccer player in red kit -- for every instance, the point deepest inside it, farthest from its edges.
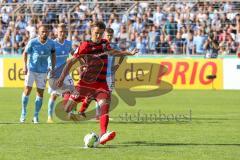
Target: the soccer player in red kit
(93, 80)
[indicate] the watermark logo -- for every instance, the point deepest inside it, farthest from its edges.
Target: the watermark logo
(159, 116)
(132, 81)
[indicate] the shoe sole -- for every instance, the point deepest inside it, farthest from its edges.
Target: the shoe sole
(34, 122)
(50, 120)
(22, 120)
(111, 137)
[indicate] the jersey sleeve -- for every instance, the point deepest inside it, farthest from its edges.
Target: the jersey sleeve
(81, 50)
(28, 48)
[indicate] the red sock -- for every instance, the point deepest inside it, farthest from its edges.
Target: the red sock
(104, 123)
(66, 96)
(104, 118)
(71, 106)
(84, 106)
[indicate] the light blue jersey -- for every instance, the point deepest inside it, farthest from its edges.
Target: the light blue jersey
(111, 60)
(110, 72)
(62, 53)
(199, 41)
(38, 54)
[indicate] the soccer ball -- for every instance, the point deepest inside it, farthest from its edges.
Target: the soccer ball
(91, 140)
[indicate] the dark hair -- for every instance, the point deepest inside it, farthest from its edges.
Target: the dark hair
(44, 26)
(98, 24)
(110, 30)
(191, 31)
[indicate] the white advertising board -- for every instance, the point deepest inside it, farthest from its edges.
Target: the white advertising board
(231, 73)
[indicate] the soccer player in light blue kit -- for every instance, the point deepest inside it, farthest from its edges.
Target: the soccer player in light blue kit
(63, 48)
(36, 55)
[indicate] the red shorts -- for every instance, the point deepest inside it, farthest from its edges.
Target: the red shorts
(96, 90)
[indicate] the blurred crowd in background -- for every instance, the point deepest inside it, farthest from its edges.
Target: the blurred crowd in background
(166, 27)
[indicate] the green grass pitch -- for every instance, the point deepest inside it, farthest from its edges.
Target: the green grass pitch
(208, 128)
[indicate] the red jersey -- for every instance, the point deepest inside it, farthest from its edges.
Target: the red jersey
(96, 59)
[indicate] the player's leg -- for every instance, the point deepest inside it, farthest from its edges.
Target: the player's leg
(85, 104)
(97, 106)
(29, 79)
(70, 94)
(41, 84)
(70, 105)
(110, 84)
(104, 100)
(25, 98)
(55, 92)
(38, 104)
(70, 108)
(51, 103)
(66, 97)
(105, 135)
(92, 93)
(83, 107)
(71, 101)
(104, 117)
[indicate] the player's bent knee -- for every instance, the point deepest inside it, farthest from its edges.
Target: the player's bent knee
(103, 102)
(40, 92)
(70, 105)
(27, 90)
(104, 106)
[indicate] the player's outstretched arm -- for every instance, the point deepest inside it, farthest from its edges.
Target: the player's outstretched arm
(122, 53)
(66, 70)
(121, 60)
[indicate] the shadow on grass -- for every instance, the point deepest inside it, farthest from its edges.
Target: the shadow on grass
(150, 144)
(41, 123)
(147, 122)
(117, 120)
(114, 121)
